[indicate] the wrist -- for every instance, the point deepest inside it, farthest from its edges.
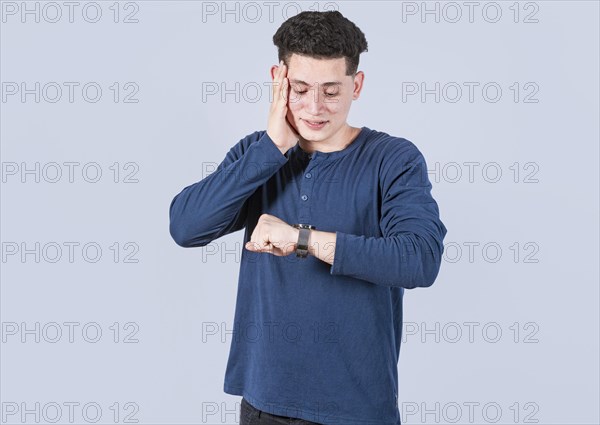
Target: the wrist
(303, 233)
(294, 237)
(282, 148)
(277, 145)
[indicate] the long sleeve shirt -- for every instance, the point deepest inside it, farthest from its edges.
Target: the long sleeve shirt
(314, 340)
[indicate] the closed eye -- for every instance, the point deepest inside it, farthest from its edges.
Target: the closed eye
(326, 94)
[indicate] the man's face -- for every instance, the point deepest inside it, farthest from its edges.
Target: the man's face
(320, 91)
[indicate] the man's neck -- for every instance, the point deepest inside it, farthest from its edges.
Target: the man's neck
(342, 139)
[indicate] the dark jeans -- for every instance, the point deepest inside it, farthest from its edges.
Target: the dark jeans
(249, 415)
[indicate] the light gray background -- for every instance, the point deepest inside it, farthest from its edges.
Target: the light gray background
(174, 372)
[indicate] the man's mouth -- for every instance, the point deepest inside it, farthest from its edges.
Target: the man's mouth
(316, 122)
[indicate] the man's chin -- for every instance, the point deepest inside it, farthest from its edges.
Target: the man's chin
(312, 136)
(308, 137)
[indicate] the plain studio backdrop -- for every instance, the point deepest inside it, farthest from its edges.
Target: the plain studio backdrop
(110, 108)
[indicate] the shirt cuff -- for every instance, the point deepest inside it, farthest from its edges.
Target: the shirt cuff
(271, 148)
(339, 255)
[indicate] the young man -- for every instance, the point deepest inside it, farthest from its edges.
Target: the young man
(317, 334)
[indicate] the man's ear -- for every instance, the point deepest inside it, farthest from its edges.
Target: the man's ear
(274, 69)
(358, 84)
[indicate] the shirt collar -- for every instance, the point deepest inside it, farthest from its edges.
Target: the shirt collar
(318, 155)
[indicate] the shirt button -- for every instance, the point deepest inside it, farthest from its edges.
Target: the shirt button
(304, 197)
(308, 175)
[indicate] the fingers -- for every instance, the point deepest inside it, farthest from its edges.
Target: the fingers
(284, 90)
(276, 78)
(274, 82)
(264, 244)
(268, 248)
(292, 127)
(254, 246)
(284, 84)
(280, 86)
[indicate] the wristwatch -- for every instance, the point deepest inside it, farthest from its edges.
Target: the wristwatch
(302, 246)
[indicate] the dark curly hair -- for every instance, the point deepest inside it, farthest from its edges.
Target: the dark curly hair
(321, 35)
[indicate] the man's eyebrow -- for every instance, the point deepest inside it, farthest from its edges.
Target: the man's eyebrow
(327, 84)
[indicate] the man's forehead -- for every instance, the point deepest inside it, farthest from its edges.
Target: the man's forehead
(308, 71)
(325, 83)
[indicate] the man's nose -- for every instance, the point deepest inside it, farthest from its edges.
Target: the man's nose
(315, 102)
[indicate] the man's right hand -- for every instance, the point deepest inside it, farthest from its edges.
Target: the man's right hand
(278, 128)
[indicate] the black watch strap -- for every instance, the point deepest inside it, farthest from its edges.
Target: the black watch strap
(303, 235)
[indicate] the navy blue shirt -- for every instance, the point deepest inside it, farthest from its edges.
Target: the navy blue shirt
(313, 340)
